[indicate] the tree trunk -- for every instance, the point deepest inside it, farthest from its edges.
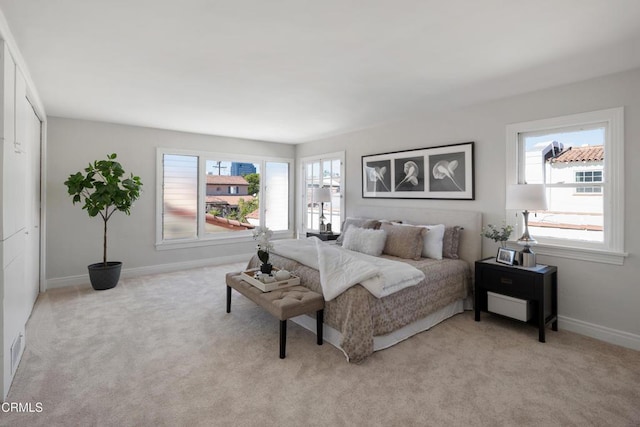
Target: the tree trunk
(104, 247)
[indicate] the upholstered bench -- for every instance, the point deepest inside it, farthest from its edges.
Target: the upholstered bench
(281, 303)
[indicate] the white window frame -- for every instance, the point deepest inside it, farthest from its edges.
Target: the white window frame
(611, 251)
(208, 239)
(302, 200)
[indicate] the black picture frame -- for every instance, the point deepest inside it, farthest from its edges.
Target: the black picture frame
(442, 172)
(506, 256)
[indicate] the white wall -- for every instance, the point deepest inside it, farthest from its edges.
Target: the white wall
(74, 240)
(595, 299)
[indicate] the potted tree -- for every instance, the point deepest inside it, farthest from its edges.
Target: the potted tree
(104, 189)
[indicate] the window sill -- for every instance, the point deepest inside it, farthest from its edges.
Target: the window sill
(216, 240)
(582, 254)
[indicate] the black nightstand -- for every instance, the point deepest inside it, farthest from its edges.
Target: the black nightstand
(323, 236)
(537, 286)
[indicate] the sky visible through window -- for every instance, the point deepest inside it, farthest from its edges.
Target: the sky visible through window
(573, 138)
(215, 167)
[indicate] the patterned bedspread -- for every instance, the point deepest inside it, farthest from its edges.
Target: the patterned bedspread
(359, 316)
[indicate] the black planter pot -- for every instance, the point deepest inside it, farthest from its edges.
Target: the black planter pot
(266, 268)
(104, 277)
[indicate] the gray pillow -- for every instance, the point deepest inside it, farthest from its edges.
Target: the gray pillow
(404, 241)
(450, 242)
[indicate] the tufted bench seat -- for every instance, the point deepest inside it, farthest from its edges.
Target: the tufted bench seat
(281, 303)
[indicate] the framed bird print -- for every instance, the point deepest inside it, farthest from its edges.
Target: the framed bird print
(443, 172)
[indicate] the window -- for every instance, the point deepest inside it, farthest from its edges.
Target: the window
(277, 204)
(202, 199)
(179, 197)
(579, 158)
(589, 176)
(230, 207)
(326, 171)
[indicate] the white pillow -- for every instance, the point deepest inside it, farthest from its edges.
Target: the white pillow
(432, 243)
(432, 246)
(365, 240)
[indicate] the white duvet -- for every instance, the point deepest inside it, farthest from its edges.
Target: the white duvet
(341, 268)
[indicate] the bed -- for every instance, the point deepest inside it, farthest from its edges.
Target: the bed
(359, 323)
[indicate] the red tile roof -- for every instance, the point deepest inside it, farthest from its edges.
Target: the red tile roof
(591, 153)
(226, 180)
(255, 214)
(230, 200)
(230, 224)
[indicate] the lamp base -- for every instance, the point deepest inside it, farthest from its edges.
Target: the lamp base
(528, 257)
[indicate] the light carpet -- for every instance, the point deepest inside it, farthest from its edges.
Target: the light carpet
(161, 350)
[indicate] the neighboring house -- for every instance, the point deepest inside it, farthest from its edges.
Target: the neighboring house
(580, 165)
(226, 184)
(225, 191)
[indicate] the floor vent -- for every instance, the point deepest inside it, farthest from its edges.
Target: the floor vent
(16, 348)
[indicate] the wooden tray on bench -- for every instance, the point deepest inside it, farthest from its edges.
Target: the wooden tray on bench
(247, 276)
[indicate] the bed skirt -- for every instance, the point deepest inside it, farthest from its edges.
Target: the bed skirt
(334, 337)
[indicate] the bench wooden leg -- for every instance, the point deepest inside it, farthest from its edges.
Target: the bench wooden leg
(228, 299)
(319, 322)
(283, 338)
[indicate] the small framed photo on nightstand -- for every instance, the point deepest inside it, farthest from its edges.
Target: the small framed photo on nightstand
(506, 256)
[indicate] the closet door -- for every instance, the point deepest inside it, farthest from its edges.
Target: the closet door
(32, 226)
(13, 162)
(27, 134)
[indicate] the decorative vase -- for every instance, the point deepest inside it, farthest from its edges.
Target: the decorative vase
(266, 268)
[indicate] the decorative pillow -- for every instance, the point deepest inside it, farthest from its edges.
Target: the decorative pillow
(432, 245)
(403, 241)
(357, 222)
(450, 242)
(365, 240)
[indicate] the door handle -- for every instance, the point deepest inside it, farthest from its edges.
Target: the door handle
(506, 281)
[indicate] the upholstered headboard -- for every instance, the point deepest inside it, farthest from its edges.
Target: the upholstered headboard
(470, 239)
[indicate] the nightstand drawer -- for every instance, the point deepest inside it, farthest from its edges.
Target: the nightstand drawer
(510, 283)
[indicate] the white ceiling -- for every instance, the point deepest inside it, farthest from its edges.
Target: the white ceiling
(299, 70)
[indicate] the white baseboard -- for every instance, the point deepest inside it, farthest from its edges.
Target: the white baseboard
(602, 333)
(83, 279)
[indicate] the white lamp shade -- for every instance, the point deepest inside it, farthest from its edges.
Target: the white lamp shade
(322, 195)
(527, 197)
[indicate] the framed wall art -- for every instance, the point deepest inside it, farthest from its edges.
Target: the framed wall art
(444, 172)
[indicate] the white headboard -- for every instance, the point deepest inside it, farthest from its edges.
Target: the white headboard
(470, 248)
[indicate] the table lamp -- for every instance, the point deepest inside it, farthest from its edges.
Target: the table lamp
(322, 195)
(527, 197)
